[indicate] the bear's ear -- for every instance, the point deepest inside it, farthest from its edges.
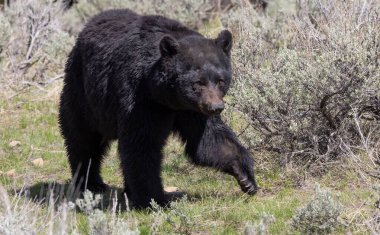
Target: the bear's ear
(224, 41)
(168, 46)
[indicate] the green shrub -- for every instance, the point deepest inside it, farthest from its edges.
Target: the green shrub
(320, 215)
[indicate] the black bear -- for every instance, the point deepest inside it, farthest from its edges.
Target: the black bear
(137, 79)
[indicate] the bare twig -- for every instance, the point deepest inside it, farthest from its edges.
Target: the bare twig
(38, 23)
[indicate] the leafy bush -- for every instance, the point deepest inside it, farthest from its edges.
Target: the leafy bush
(320, 215)
(300, 77)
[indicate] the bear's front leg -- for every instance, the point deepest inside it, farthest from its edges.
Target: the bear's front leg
(140, 145)
(210, 142)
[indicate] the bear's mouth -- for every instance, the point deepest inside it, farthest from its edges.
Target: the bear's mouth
(211, 109)
(209, 112)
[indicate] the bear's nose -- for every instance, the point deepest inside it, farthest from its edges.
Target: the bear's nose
(217, 108)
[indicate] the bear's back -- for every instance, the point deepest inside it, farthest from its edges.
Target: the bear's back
(159, 25)
(107, 29)
(113, 27)
(120, 44)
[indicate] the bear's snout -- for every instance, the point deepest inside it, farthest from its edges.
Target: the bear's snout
(211, 102)
(216, 108)
(212, 108)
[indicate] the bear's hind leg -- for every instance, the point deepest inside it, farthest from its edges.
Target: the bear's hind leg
(141, 140)
(85, 151)
(141, 164)
(85, 160)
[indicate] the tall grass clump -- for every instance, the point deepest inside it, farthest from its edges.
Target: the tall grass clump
(101, 223)
(373, 223)
(364, 158)
(301, 76)
(22, 215)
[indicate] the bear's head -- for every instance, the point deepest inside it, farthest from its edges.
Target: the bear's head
(196, 72)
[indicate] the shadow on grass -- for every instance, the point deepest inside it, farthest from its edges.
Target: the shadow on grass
(48, 193)
(53, 193)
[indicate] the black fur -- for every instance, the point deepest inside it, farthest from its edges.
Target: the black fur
(137, 79)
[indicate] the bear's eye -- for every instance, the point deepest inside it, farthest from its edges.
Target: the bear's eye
(221, 82)
(198, 83)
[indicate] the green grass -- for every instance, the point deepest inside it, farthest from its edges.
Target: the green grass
(214, 204)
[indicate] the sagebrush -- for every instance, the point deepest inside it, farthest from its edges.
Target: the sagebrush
(299, 78)
(320, 215)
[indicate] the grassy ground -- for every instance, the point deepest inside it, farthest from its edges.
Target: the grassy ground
(214, 204)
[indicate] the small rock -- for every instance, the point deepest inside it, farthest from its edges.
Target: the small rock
(38, 162)
(11, 173)
(14, 143)
(171, 189)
